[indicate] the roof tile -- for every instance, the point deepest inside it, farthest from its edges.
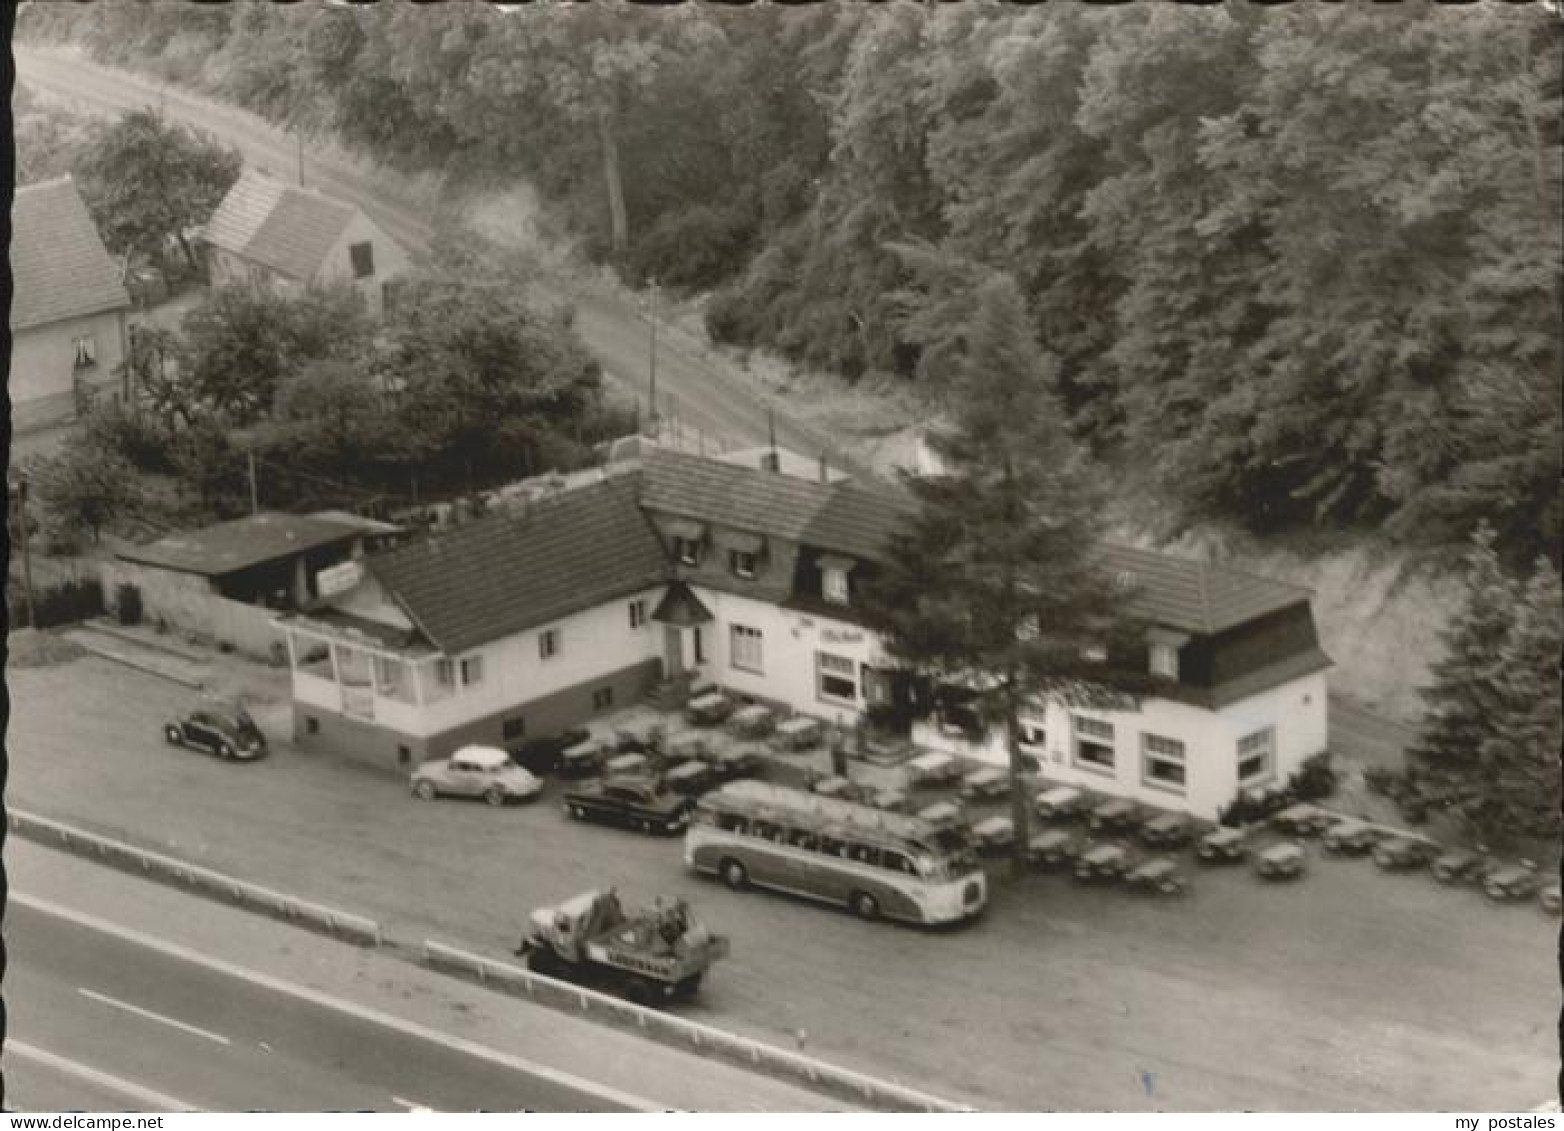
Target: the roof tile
(59, 266)
(277, 225)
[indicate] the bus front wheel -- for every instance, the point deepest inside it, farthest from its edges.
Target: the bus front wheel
(864, 905)
(734, 875)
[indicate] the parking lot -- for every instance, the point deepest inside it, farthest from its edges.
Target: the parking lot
(1350, 989)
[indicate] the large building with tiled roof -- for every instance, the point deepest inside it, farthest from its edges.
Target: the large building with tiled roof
(68, 306)
(267, 231)
(668, 568)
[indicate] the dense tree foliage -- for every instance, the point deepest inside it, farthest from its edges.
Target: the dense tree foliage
(993, 587)
(49, 139)
(148, 182)
(1490, 742)
(1297, 263)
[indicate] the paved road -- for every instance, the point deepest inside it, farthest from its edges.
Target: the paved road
(1352, 990)
(210, 1037)
(704, 395)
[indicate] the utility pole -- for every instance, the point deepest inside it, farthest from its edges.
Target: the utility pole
(27, 558)
(651, 311)
(255, 494)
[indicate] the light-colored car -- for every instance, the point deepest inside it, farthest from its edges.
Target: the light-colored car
(1160, 876)
(987, 782)
(1280, 862)
(933, 769)
(993, 834)
(1061, 801)
(475, 771)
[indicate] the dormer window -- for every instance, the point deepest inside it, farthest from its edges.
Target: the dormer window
(687, 551)
(686, 540)
(742, 562)
(833, 579)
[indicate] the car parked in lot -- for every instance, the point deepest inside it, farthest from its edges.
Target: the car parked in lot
(1459, 865)
(1058, 803)
(1303, 820)
(1159, 876)
(1114, 815)
(475, 771)
(985, 783)
(933, 769)
(1280, 862)
(1053, 848)
(1169, 830)
(1223, 846)
(993, 835)
(641, 803)
(223, 729)
(1550, 899)
(1518, 881)
(1104, 862)
(1351, 838)
(1399, 853)
(544, 755)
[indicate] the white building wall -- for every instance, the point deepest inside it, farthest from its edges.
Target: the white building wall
(790, 644)
(592, 644)
(1296, 710)
(390, 261)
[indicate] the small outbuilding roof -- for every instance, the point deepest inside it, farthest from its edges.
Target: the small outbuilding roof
(229, 547)
(59, 266)
(278, 225)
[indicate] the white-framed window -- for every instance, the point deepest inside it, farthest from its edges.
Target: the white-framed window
(836, 678)
(687, 551)
(833, 586)
(1162, 762)
(1032, 735)
(1093, 745)
(548, 643)
(638, 614)
(472, 670)
(1257, 756)
(445, 673)
(746, 649)
(743, 562)
(86, 348)
(1164, 661)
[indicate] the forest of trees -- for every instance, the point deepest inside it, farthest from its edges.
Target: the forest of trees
(1295, 265)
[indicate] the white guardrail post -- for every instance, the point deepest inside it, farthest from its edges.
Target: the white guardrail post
(353, 928)
(844, 1081)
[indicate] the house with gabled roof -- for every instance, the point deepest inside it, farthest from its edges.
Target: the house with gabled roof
(68, 307)
(671, 567)
(269, 232)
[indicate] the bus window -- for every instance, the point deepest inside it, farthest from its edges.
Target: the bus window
(864, 854)
(898, 862)
(733, 823)
(802, 838)
(830, 846)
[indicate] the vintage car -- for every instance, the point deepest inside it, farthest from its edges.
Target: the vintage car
(690, 778)
(839, 787)
(475, 771)
(729, 763)
(1280, 862)
(985, 783)
(933, 769)
(1159, 876)
(632, 802)
(942, 813)
(993, 834)
(891, 800)
(1053, 848)
(1400, 853)
(1059, 802)
(1550, 899)
(1517, 881)
(1170, 830)
(1303, 820)
(1459, 865)
(584, 759)
(1223, 846)
(623, 765)
(1114, 815)
(223, 729)
(1104, 862)
(685, 745)
(709, 709)
(801, 732)
(754, 721)
(545, 755)
(1351, 837)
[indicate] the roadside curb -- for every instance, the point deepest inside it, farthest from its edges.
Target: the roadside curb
(669, 1029)
(85, 637)
(106, 627)
(662, 1028)
(319, 917)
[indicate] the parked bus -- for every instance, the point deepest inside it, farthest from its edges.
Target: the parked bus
(874, 862)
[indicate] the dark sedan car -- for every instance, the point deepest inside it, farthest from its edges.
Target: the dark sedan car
(632, 802)
(544, 755)
(225, 730)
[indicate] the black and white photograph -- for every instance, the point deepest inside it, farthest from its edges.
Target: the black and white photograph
(923, 556)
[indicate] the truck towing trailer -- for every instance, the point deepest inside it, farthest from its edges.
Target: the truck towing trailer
(652, 955)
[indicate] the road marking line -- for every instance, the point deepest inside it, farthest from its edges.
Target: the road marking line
(146, 1096)
(115, 1003)
(327, 1001)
